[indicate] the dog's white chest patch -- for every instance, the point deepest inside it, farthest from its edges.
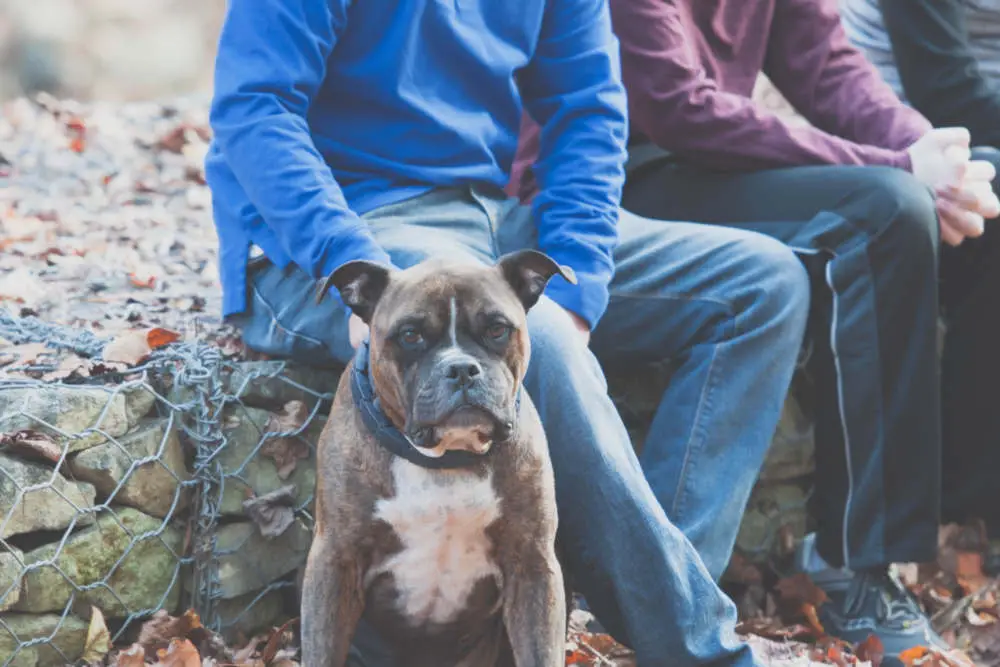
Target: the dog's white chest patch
(440, 517)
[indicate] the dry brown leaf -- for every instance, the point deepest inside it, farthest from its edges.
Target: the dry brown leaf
(871, 650)
(274, 641)
(132, 347)
(273, 512)
(77, 130)
(71, 365)
(129, 348)
(157, 337)
(32, 444)
(163, 627)
(286, 451)
(809, 611)
(800, 589)
(142, 280)
(98, 641)
(180, 653)
(913, 656)
(133, 656)
(26, 354)
(597, 650)
(247, 652)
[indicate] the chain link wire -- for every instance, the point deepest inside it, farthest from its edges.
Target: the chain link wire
(73, 536)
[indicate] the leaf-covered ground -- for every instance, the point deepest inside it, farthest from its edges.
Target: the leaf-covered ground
(105, 224)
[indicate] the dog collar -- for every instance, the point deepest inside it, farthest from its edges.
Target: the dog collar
(391, 437)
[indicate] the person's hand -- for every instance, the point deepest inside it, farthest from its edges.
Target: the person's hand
(940, 158)
(581, 325)
(357, 330)
(963, 209)
(962, 188)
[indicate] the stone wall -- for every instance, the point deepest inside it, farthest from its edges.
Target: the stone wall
(153, 494)
(132, 497)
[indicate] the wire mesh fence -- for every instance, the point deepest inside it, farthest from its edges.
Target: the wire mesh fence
(183, 482)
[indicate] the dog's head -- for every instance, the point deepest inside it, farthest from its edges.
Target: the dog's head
(449, 343)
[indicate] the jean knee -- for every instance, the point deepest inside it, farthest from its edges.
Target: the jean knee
(904, 208)
(779, 283)
(555, 340)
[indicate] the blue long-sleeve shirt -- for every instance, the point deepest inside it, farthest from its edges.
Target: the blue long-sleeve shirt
(326, 109)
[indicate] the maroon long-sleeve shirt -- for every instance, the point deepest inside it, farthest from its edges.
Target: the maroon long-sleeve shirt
(690, 67)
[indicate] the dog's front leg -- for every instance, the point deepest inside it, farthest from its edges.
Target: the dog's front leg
(535, 610)
(332, 605)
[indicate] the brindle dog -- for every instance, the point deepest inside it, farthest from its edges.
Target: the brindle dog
(435, 508)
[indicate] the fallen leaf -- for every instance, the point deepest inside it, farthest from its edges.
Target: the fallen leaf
(98, 641)
(800, 589)
(158, 337)
(809, 611)
(68, 366)
(130, 348)
(836, 655)
(274, 641)
(180, 653)
(911, 656)
(134, 346)
(26, 354)
(142, 281)
(871, 650)
(174, 140)
(248, 651)
(133, 656)
(33, 444)
(273, 512)
(162, 627)
(286, 451)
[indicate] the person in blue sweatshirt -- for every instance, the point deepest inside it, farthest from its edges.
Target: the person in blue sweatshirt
(385, 130)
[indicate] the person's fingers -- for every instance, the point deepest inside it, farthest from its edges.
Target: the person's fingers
(949, 235)
(960, 220)
(980, 170)
(977, 197)
(989, 204)
(952, 136)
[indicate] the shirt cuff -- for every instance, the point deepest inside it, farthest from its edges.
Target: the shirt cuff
(588, 298)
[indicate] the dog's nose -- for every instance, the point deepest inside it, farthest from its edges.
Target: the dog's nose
(463, 373)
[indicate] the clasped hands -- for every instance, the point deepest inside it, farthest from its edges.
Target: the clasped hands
(962, 187)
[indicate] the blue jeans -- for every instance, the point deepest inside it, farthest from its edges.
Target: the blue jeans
(870, 237)
(729, 305)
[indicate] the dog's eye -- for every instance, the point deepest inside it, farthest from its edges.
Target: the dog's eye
(498, 332)
(410, 337)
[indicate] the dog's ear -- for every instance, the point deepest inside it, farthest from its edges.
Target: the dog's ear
(529, 271)
(360, 283)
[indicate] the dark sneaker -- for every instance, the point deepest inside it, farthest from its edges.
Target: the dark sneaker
(874, 602)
